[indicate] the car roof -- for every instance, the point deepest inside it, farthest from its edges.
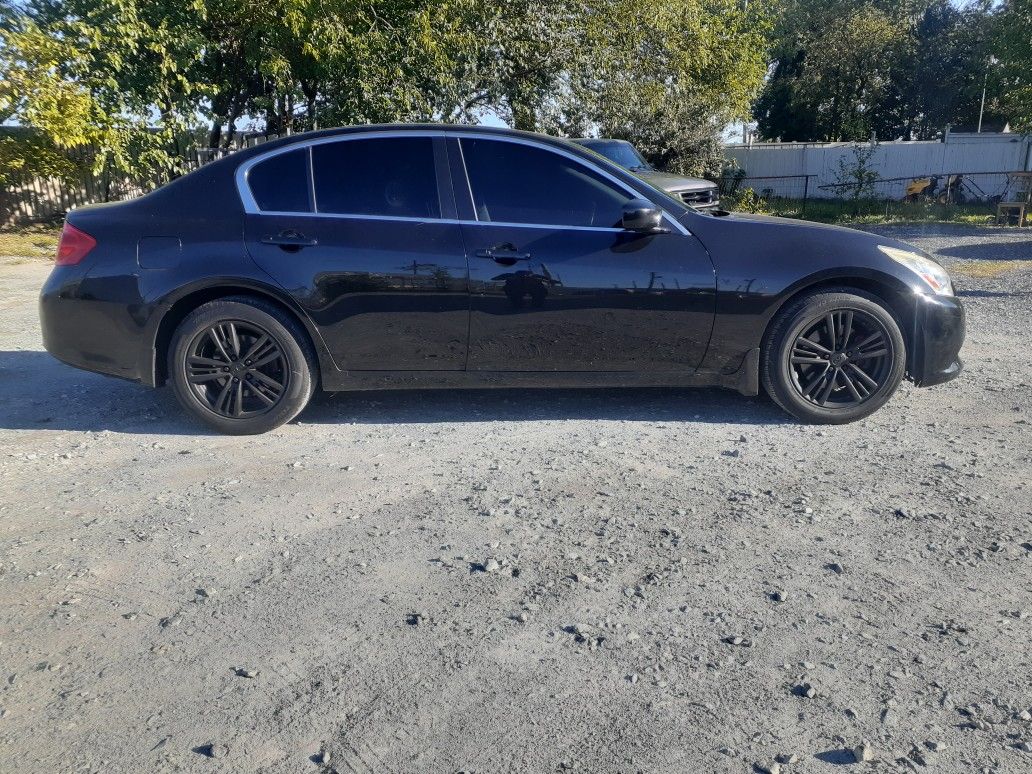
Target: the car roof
(216, 180)
(343, 131)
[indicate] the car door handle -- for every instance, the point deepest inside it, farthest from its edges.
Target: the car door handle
(290, 239)
(506, 254)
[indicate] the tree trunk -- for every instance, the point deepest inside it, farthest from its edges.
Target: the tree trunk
(215, 135)
(311, 90)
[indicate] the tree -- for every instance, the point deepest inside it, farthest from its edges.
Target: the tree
(90, 79)
(830, 71)
(666, 74)
(673, 74)
(1013, 47)
(843, 69)
(938, 76)
(132, 76)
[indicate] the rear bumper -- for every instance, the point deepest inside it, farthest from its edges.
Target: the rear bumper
(938, 334)
(84, 331)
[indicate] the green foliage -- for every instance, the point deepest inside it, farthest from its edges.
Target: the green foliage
(671, 75)
(33, 89)
(843, 69)
(937, 78)
(88, 79)
(746, 200)
(856, 176)
(1013, 47)
(129, 77)
(866, 209)
(831, 68)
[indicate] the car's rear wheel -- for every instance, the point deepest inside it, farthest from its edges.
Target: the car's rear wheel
(241, 365)
(833, 357)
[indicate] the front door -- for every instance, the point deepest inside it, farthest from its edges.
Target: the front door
(364, 249)
(557, 285)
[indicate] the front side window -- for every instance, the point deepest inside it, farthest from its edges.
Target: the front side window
(280, 183)
(517, 183)
(386, 176)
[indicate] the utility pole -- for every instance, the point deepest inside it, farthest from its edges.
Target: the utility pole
(985, 82)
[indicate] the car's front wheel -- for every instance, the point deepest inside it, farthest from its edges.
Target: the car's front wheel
(241, 365)
(833, 357)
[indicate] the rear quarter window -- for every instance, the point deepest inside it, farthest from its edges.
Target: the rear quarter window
(280, 184)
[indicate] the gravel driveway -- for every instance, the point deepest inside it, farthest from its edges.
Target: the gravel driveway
(599, 581)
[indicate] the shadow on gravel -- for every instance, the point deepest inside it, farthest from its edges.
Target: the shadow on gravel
(655, 404)
(836, 757)
(990, 294)
(37, 391)
(990, 251)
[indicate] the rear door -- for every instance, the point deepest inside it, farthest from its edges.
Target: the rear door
(556, 284)
(360, 231)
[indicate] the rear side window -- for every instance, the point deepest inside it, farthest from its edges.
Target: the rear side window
(516, 183)
(389, 176)
(280, 184)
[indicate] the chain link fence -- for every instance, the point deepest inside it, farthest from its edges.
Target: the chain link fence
(970, 196)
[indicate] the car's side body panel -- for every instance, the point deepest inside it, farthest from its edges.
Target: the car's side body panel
(580, 298)
(588, 300)
(386, 294)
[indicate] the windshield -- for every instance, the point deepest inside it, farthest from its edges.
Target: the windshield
(620, 151)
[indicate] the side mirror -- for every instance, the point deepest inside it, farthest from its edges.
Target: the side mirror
(643, 217)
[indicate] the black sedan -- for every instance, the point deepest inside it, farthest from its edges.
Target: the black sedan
(445, 256)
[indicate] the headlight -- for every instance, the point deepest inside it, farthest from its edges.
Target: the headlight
(932, 273)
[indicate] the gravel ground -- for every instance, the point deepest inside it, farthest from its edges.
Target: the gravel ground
(656, 581)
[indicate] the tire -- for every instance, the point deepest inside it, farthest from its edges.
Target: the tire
(242, 396)
(824, 378)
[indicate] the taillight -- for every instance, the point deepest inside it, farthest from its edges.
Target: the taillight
(74, 245)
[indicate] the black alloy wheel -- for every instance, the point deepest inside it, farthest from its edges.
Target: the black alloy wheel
(237, 369)
(842, 359)
(242, 365)
(833, 356)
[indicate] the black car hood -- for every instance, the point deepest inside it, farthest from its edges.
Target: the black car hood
(850, 236)
(774, 220)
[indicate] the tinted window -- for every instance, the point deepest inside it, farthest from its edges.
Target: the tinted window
(623, 153)
(385, 176)
(281, 183)
(514, 183)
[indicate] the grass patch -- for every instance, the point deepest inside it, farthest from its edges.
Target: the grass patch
(988, 269)
(864, 211)
(30, 242)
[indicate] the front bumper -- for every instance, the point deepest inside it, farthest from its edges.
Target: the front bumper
(937, 336)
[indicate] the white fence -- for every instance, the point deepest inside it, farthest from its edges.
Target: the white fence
(956, 153)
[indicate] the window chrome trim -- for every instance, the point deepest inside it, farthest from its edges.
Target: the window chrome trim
(251, 206)
(429, 221)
